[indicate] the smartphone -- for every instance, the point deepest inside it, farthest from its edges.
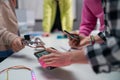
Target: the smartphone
(41, 53)
(73, 36)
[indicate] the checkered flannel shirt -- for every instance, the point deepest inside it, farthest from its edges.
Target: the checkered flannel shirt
(105, 57)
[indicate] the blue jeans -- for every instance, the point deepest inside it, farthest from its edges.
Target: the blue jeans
(5, 54)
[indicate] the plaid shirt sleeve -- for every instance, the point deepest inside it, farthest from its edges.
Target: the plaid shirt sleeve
(105, 57)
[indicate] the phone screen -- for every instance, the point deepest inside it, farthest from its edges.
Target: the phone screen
(41, 53)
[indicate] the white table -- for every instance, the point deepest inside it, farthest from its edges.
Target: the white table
(73, 72)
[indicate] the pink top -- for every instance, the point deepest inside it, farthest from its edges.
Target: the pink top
(91, 11)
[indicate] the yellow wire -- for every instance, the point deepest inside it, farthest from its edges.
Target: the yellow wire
(14, 67)
(7, 78)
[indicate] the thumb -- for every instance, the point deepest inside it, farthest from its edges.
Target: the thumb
(51, 49)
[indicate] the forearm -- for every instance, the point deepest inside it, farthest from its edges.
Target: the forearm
(6, 37)
(78, 56)
(90, 40)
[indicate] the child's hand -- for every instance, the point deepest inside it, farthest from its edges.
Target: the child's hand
(17, 44)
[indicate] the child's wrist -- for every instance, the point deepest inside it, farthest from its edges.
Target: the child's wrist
(91, 39)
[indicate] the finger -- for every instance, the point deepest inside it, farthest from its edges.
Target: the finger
(51, 50)
(47, 64)
(49, 60)
(43, 63)
(47, 56)
(75, 42)
(14, 48)
(72, 43)
(18, 43)
(52, 63)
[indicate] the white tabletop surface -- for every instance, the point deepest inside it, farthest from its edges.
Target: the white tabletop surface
(73, 72)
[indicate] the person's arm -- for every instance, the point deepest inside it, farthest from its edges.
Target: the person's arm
(60, 59)
(6, 37)
(89, 41)
(10, 39)
(13, 2)
(84, 41)
(103, 57)
(88, 20)
(8, 32)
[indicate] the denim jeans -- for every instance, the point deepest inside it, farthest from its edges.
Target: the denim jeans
(5, 54)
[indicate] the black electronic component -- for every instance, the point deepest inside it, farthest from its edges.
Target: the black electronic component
(33, 43)
(27, 37)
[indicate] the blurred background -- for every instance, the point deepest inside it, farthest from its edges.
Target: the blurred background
(30, 14)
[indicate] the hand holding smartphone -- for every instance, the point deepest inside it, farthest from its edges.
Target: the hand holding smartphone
(40, 54)
(73, 36)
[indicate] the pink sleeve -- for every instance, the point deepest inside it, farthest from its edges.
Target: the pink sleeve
(91, 10)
